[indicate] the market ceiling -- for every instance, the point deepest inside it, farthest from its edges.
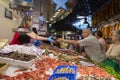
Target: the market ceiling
(82, 8)
(48, 9)
(74, 8)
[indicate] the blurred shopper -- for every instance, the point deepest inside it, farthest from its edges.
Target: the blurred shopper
(98, 34)
(114, 50)
(91, 45)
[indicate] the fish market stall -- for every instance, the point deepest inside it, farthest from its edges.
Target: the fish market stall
(52, 57)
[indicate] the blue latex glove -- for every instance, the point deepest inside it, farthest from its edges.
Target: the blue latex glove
(37, 42)
(50, 39)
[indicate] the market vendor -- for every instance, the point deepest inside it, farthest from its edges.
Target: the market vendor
(23, 38)
(20, 36)
(114, 50)
(91, 45)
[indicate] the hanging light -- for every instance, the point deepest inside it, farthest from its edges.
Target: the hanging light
(79, 17)
(86, 22)
(27, 13)
(31, 8)
(88, 26)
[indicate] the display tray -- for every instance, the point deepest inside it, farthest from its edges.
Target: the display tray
(18, 59)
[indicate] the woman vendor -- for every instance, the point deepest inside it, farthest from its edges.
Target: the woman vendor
(114, 50)
(25, 37)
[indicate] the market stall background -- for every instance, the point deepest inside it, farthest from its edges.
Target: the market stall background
(75, 8)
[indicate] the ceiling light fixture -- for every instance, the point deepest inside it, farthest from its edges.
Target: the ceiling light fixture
(54, 21)
(31, 9)
(59, 10)
(80, 17)
(47, 21)
(54, 16)
(51, 19)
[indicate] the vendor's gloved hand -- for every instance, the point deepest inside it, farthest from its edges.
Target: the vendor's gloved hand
(37, 42)
(50, 39)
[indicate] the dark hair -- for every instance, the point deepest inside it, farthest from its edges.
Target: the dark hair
(99, 33)
(34, 30)
(23, 38)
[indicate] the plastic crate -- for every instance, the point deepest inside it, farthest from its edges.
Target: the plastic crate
(60, 67)
(68, 76)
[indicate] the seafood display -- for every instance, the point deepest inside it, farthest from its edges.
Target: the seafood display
(18, 56)
(46, 65)
(89, 77)
(18, 59)
(18, 48)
